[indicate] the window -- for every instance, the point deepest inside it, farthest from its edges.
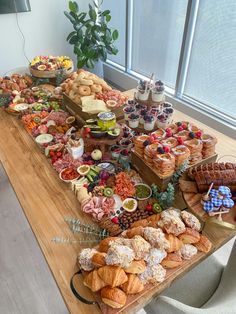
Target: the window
(157, 35)
(211, 74)
(118, 21)
(188, 44)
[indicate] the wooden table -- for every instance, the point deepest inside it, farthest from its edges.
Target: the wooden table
(46, 201)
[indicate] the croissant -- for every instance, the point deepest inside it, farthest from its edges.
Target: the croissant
(93, 281)
(142, 223)
(113, 276)
(175, 243)
(190, 236)
(104, 244)
(136, 267)
(133, 285)
(98, 259)
(172, 260)
(114, 297)
(204, 244)
(134, 231)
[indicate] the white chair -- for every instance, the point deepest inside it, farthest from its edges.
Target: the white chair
(210, 288)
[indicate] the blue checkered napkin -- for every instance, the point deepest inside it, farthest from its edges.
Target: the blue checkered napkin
(214, 193)
(216, 202)
(224, 190)
(208, 207)
(227, 202)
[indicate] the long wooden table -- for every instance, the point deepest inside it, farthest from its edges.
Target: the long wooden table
(46, 202)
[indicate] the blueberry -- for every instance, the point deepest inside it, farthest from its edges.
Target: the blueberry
(160, 150)
(146, 143)
(191, 134)
(179, 123)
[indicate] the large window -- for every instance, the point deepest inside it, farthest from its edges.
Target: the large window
(189, 44)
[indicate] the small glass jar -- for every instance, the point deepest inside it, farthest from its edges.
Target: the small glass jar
(149, 122)
(106, 120)
(127, 111)
(142, 93)
(133, 120)
(157, 96)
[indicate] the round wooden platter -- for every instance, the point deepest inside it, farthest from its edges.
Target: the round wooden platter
(49, 74)
(193, 201)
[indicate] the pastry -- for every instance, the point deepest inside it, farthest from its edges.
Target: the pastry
(134, 231)
(155, 256)
(184, 135)
(136, 267)
(175, 243)
(154, 218)
(153, 274)
(204, 244)
(139, 144)
(140, 247)
(170, 141)
(119, 255)
(85, 259)
(172, 260)
(114, 276)
(172, 225)
(142, 223)
(159, 134)
(209, 143)
(133, 285)
(190, 220)
(156, 237)
(93, 281)
(195, 147)
(113, 297)
(104, 244)
(164, 164)
(187, 251)
(189, 236)
(98, 259)
(181, 154)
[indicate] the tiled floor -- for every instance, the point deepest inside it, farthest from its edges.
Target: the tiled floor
(26, 285)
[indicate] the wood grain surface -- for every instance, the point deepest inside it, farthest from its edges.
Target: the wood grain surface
(46, 201)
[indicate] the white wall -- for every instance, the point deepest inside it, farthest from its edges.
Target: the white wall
(45, 29)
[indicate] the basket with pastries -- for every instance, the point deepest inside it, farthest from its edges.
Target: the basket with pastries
(124, 268)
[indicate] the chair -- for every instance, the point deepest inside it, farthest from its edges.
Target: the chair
(209, 288)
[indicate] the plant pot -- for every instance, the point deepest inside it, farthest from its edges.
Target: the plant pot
(98, 68)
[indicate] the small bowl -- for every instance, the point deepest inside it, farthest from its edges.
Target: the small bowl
(68, 181)
(144, 198)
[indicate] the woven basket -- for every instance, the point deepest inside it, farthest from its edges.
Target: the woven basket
(50, 74)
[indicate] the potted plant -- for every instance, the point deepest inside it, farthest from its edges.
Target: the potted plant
(91, 37)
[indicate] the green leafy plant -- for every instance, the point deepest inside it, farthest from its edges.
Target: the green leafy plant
(91, 37)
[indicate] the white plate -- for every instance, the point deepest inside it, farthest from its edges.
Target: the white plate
(21, 107)
(44, 138)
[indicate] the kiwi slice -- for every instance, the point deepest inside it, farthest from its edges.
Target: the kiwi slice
(37, 120)
(108, 192)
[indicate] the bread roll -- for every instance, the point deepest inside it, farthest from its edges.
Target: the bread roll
(175, 243)
(189, 236)
(204, 244)
(136, 267)
(114, 297)
(133, 285)
(134, 231)
(172, 260)
(114, 276)
(93, 281)
(104, 244)
(98, 259)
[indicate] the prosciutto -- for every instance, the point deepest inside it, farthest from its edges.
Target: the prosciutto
(98, 206)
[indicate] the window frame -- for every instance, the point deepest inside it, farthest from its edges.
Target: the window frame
(183, 65)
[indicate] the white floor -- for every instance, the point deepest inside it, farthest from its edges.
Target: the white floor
(26, 284)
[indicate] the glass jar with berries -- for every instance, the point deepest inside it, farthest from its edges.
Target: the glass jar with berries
(158, 91)
(149, 122)
(126, 143)
(133, 120)
(155, 110)
(143, 90)
(115, 151)
(143, 113)
(162, 121)
(124, 155)
(168, 112)
(127, 111)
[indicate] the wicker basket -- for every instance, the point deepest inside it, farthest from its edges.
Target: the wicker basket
(49, 74)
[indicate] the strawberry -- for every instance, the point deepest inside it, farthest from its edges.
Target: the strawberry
(167, 149)
(87, 130)
(59, 154)
(198, 134)
(52, 153)
(149, 207)
(184, 126)
(180, 128)
(115, 220)
(180, 141)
